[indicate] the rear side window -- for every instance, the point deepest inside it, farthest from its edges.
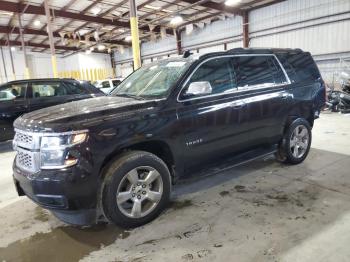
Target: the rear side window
(300, 66)
(47, 89)
(257, 71)
(218, 72)
(74, 88)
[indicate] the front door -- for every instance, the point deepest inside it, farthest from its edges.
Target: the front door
(211, 124)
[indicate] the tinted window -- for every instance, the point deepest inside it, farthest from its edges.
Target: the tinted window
(116, 82)
(48, 89)
(12, 92)
(303, 66)
(74, 88)
(258, 71)
(105, 84)
(218, 72)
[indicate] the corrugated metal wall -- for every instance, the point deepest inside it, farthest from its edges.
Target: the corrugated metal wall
(319, 26)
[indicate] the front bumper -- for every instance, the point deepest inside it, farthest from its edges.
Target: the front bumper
(71, 194)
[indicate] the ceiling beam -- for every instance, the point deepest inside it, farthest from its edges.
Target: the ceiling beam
(265, 5)
(18, 43)
(28, 31)
(217, 6)
(39, 10)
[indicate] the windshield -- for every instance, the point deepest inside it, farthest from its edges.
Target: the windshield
(153, 80)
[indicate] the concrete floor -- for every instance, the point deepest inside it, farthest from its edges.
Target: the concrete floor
(262, 211)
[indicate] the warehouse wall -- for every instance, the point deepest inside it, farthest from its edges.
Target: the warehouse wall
(213, 37)
(40, 64)
(321, 27)
(291, 24)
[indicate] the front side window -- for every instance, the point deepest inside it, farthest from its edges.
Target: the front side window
(12, 92)
(218, 73)
(152, 80)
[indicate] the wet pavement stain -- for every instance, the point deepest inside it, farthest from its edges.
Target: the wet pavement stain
(62, 244)
(41, 214)
(181, 204)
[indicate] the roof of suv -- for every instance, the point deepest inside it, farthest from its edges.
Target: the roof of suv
(40, 79)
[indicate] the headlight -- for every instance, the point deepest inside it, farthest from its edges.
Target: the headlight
(54, 149)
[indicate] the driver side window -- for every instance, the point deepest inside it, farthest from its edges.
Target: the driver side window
(217, 72)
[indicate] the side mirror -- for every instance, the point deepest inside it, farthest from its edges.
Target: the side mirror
(199, 88)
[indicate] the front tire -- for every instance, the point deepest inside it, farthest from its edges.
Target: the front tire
(296, 142)
(136, 189)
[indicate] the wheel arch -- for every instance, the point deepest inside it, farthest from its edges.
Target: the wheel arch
(157, 147)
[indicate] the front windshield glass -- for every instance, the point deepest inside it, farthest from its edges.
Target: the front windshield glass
(153, 80)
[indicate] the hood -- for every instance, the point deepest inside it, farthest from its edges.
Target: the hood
(81, 114)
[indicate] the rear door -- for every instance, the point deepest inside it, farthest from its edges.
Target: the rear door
(266, 90)
(49, 93)
(46, 93)
(13, 103)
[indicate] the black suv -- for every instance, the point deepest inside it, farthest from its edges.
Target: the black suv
(23, 96)
(117, 157)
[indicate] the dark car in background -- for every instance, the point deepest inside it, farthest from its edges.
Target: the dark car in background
(23, 96)
(118, 156)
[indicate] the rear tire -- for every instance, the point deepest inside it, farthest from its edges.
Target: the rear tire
(296, 142)
(136, 189)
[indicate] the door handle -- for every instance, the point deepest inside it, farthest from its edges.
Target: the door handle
(237, 105)
(285, 95)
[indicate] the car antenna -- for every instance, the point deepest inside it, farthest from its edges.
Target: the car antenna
(187, 53)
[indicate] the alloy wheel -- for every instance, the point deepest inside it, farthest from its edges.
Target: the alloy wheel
(299, 141)
(139, 192)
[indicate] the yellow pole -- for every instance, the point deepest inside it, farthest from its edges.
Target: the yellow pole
(54, 65)
(135, 35)
(27, 73)
(87, 74)
(50, 33)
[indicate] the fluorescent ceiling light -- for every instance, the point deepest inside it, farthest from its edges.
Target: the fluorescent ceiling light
(96, 10)
(176, 20)
(128, 38)
(92, 48)
(101, 47)
(6, 13)
(167, 10)
(232, 2)
(37, 23)
(121, 30)
(153, 7)
(88, 52)
(83, 31)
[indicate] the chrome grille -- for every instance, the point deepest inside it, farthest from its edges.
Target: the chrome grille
(27, 140)
(24, 138)
(27, 160)
(27, 145)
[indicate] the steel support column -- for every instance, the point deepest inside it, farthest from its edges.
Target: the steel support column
(52, 46)
(11, 58)
(26, 68)
(178, 41)
(3, 62)
(245, 18)
(135, 35)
